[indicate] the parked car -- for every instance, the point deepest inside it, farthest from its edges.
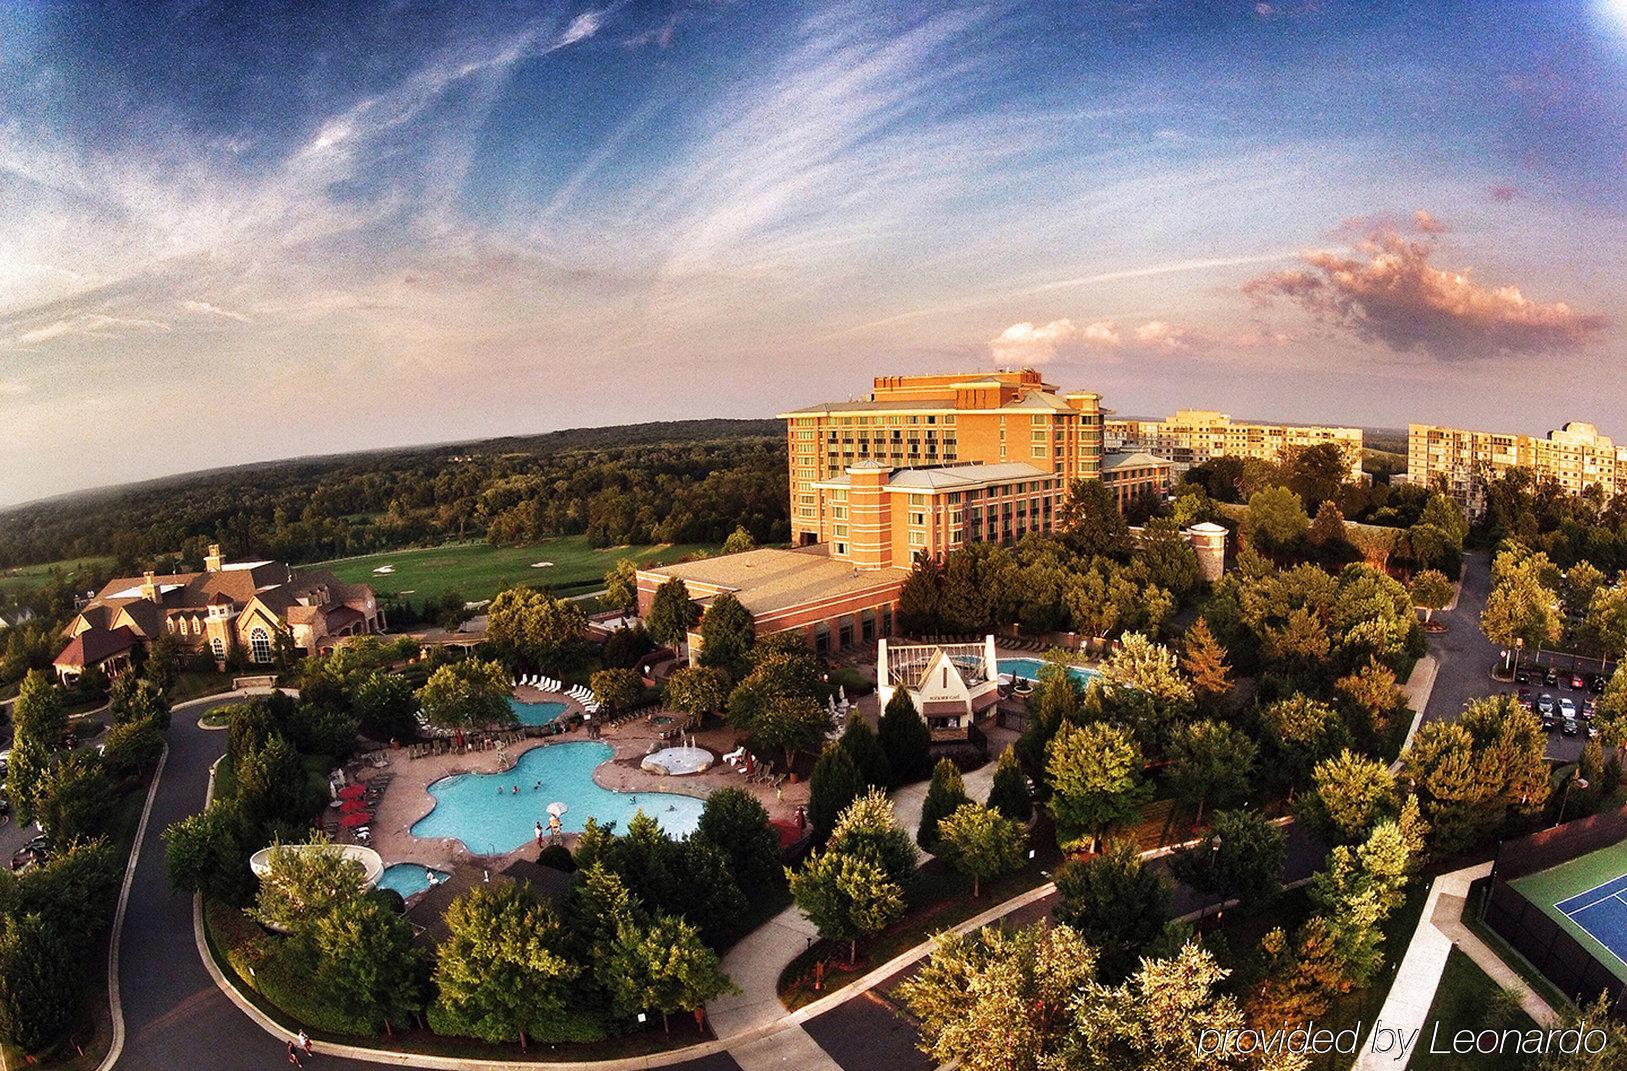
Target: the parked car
(1597, 684)
(1567, 708)
(1568, 726)
(1550, 676)
(1590, 707)
(1522, 675)
(1525, 699)
(1578, 682)
(1545, 705)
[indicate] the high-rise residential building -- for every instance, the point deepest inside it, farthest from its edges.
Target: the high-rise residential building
(1193, 436)
(1460, 462)
(1007, 417)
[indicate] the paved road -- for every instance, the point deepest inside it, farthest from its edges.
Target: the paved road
(1466, 658)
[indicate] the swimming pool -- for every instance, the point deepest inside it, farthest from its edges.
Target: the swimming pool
(490, 818)
(408, 879)
(535, 713)
(1028, 669)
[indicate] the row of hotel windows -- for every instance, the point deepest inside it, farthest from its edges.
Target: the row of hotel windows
(259, 639)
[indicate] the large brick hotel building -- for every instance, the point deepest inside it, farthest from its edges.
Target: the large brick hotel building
(926, 463)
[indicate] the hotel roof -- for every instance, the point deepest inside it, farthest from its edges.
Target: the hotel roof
(948, 477)
(1032, 400)
(772, 578)
(1126, 459)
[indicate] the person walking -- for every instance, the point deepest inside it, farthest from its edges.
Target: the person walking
(539, 834)
(293, 1055)
(305, 1042)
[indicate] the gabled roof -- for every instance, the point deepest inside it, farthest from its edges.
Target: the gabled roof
(94, 646)
(1126, 459)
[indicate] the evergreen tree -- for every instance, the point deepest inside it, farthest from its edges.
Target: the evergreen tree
(367, 963)
(1203, 659)
(963, 604)
(738, 825)
(920, 597)
(1209, 761)
(39, 985)
(834, 784)
(1243, 857)
(946, 793)
(739, 541)
(905, 739)
(1008, 793)
(864, 748)
(671, 613)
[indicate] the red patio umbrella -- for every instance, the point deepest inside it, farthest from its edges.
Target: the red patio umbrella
(353, 807)
(352, 792)
(351, 821)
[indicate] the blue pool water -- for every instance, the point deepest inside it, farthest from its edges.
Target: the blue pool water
(483, 812)
(408, 879)
(536, 713)
(1029, 668)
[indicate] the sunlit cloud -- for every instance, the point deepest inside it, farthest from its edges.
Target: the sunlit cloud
(1389, 291)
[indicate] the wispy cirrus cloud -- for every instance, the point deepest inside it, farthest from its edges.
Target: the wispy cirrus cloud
(1388, 290)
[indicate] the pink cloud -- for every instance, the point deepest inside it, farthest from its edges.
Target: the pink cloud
(1390, 292)
(1029, 344)
(1503, 194)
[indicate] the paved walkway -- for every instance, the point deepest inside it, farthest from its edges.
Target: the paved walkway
(1440, 928)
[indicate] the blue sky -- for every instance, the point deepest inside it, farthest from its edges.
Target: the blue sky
(242, 233)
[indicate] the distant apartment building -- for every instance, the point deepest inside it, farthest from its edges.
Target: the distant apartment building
(1193, 436)
(1460, 462)
(926, 464)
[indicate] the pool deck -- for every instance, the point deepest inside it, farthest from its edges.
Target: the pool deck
(407, 799)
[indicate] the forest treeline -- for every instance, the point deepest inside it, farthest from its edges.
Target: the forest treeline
(680, 481)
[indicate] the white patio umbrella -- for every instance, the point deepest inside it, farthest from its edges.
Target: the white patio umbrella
(557, 808)
(841, 692)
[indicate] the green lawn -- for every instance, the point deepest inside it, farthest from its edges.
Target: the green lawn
(480, 570)
(1467, 999)
(27, 577)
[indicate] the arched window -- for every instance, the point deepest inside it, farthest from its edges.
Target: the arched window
(218, 646)
(260, 645)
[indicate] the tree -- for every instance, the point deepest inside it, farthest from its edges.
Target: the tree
(1302, 732)
(468, 694)
(847, 897)
(136, 698)
(1209, 761)
(1008, 792)
(905, 739)
(621, 586)
(999, 1000)
(671, 613)
(74, 797)
(727, 633)
(1243, 857)
(39, 985)
(1159, 1017)
(791, 723)
(1169, 560)
(1276, 519)
(1611, 717)
(1203, 660)
(738, 825)
(1096, 781)
(537, 629)
(1606, 620)
(1352, 793)
(1091, 604)
(981, 843)
(834, 783)
(1149, 668)
(1597, 1014)
(1115, 902)
(1521, 611)
(25, 769)
(368, 965)
(498, 976)
(1327, 535)
(1431, 590)
(1472, 774)
(864, 748)
(303, 884)
(665, 967)
(869, 827)
(1371, 696)
(132, 747)
(206, 853)
(739, 541)
(39, 715)
(944, 795)
(697, 690)
(920, 598)
(617, 688)
(385, 707)
(1091, 523)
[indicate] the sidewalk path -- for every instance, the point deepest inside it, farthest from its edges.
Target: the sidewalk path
(1406, 1008)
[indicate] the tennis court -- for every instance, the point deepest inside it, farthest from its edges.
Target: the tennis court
(1588, 897)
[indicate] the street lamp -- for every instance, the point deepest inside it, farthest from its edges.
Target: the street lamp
(1576, 781)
